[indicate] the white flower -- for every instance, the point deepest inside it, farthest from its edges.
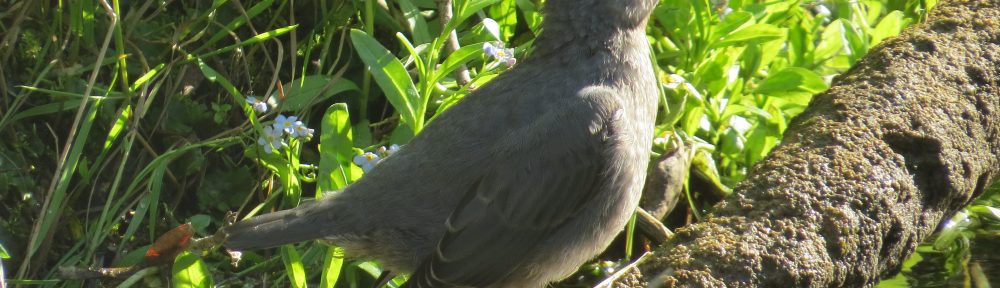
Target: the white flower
(496, 51)
(259, 106)
(382, 151)
(286, 124)
(300, 131)
(271, 140)
(367, 161)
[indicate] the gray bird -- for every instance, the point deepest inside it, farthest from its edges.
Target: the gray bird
(517, 184)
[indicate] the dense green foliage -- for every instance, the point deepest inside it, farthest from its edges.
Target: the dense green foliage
(123, 120)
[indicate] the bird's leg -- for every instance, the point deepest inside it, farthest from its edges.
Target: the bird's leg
(383, 279)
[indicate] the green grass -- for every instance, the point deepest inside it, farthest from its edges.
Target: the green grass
(124, 119)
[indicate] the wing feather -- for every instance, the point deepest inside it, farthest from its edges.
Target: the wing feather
(537, 181)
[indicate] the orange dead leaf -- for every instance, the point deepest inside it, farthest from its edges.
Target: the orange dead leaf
(168, 245)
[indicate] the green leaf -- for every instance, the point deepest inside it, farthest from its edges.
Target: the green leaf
(48, 108)
(831, 42)
(216, 77)
(733, 21)
(505, 14)
(756, 33)
(3, 252)
(793, 84)
(993, 213)
(253, 40)
(531, 14)
(293, 266)
(190, 271)
(332, 265)
(889, 26)
(457, 58)
(314, 88)
(145, 77)
(856, 44)
(236, 22)
(389, 74)
(415, 21)
(470, 7)
(116, 129)
(336, 154)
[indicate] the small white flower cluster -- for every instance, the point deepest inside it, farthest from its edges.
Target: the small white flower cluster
(498, 52)
(258, 105)
(368, 160)
(273, 137)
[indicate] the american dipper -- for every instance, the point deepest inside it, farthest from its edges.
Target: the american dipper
(517, 184)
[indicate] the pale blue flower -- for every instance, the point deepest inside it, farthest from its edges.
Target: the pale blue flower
(392, 149)
(286, 124)
(490, 50)
(301, 131)
(496, 51)
(367, 161)
(259, 106)
(271, 140)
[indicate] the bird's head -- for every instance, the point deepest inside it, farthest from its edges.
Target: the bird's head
(622, 13)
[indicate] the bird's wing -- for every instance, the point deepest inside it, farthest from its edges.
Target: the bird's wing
(542, 175)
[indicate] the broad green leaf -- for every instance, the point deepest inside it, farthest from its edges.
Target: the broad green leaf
(951, 230)
(505, 14)
(470, 7)
(831, 42)
(493, 28)
(389, 74)
(216, 77)
(531, 14)
(791, 83)
(756, 33)
(136, 278)
(336, 154)
(332, 265)
(415, 22)
(371, 268)
(733, 21)
(414, 53)
(3, 252)
(293, 266)
(314, 88)
(890, 26)
(992, 213)
(190, 271)
(459, 57)
(856, 44)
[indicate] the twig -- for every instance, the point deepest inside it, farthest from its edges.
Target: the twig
(651, 227)
(451, 44)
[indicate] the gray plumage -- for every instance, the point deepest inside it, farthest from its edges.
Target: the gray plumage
(517, 184)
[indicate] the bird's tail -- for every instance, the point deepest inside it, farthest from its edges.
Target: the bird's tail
(274, 229)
